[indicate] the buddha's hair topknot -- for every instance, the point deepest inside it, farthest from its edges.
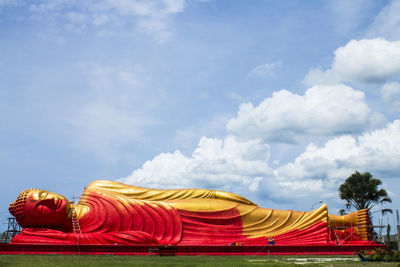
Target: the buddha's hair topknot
(18, 206)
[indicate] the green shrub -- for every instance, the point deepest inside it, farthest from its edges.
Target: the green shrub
(387, 258)
(377, 257)
(396, 256)
(379, 254)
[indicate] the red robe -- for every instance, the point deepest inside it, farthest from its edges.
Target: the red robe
(117, 221)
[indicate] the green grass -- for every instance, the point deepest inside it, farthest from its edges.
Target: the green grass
(180, 261)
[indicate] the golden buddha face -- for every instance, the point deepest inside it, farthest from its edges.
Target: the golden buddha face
(41, 208)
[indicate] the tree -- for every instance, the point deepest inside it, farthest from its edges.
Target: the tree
(360, 190)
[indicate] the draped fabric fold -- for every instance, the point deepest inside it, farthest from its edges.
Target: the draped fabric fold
(113, 213)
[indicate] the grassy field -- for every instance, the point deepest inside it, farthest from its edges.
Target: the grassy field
(187, 261)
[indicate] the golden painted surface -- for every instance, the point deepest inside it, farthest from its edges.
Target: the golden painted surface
(38, 194)
(270, 222)
(203, 204)
(256, 221)
(358, 218)
(135, 192)
(80, 209)
(190, 199)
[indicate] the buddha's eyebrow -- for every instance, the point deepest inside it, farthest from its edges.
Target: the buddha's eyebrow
(39, 194)
(44, 194)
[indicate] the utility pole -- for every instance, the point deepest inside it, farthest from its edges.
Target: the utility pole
(319, 202)
(398, 230)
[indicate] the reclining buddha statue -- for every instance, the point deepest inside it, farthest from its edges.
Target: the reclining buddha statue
(109, 212)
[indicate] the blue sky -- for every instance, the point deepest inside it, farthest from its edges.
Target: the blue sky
(279, 101)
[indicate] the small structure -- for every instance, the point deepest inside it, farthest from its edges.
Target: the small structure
(13, 229)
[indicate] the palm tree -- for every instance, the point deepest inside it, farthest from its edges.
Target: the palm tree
(360, 190)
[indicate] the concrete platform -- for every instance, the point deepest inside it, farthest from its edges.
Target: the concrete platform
(345, 249)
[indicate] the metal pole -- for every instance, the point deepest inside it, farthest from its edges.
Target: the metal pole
(398, 230)
(312, 206)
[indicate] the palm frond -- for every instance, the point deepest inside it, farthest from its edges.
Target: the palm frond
(384, 211)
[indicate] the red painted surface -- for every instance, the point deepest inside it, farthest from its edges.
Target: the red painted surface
(110, 222)
(155, 225)
(143, 224)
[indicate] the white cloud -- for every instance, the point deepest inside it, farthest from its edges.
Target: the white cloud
(322, 110)
(387, 22)
(391, 94)
(241, 166)
(150, 16)
(367, 60)
(227, 164)
(265, 69)
(327, 166)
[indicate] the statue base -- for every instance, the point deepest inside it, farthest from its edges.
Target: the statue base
(170, 250)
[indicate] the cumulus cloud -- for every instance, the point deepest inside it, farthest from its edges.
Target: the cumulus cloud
(367, 60)
(391, 94)
(265, 69)
(225, 164)
(322, 110)
(387, 22)
(240, 162)
(151, 16)
(241, 166)
(326, 167)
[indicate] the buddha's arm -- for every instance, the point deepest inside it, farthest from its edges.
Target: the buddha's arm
(140, 193)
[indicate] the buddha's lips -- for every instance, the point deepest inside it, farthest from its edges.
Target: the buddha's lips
(54, 205)
(41, 209)
(59, 204)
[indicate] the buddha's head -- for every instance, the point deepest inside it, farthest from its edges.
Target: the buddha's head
(40, 208)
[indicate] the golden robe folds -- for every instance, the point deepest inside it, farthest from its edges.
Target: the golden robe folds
(114, 213)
